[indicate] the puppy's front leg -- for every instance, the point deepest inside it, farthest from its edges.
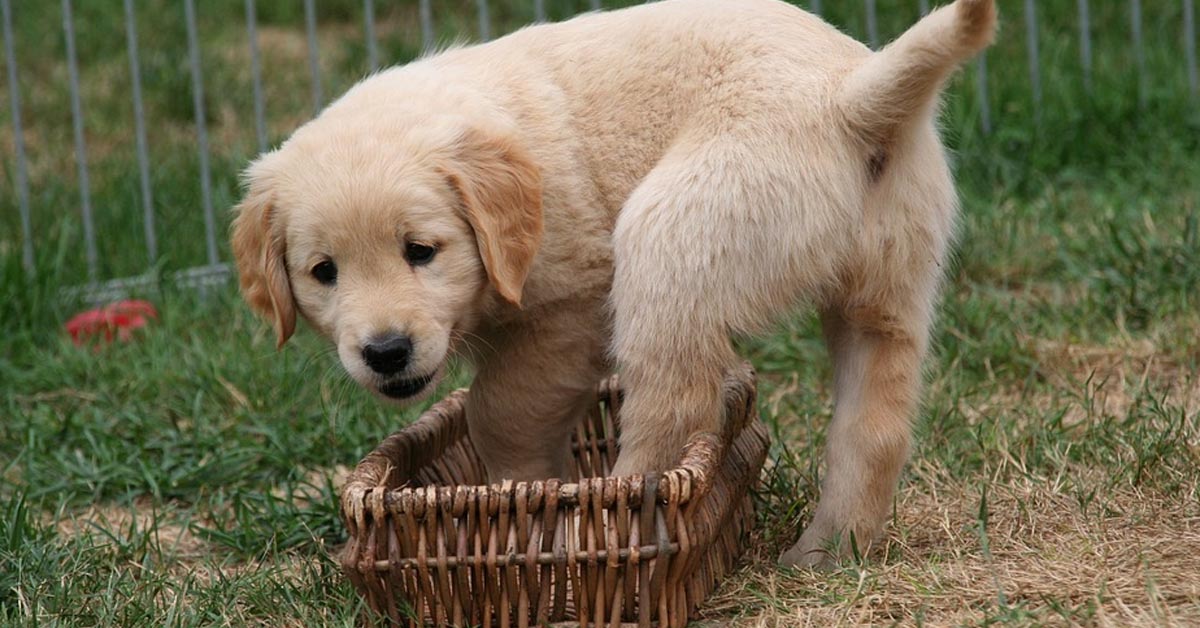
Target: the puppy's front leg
(534, 383)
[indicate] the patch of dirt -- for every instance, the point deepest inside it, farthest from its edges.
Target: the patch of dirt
(169, 529)
(1091, 383)
(1132, 560)
(311, 487)
(1125, 361)
(104, 521)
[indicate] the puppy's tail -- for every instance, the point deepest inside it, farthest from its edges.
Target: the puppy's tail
(897, 83)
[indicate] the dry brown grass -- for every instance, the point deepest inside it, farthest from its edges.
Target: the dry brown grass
(1133, 560)
(1064, 543)
(101, 523)
(1115, 373)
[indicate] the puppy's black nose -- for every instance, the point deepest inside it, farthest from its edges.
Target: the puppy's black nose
(388, 355)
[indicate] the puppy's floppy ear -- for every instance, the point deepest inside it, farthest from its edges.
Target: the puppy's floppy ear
(258, 246)
(500, 189)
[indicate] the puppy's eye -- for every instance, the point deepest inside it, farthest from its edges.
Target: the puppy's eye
(325, 272)
(419, 254)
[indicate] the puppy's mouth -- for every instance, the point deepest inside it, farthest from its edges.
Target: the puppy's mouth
(407, 387)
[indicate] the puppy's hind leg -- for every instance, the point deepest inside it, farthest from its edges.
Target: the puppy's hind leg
(877, 354)
(673, 390)
(670, 335)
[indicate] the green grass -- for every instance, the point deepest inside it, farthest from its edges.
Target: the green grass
(187, 478)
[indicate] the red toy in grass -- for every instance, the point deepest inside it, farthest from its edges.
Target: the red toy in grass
(117, 320)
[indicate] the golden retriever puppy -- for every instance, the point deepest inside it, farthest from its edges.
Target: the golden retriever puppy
(628, 189)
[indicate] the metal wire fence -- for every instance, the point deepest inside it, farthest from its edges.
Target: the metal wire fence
(215, 270)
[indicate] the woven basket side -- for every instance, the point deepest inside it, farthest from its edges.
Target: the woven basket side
(594, 443)
(703, 453)
(430, 543)
(405, 457)
(715, 517)
(741, 396)
(401, 457)
(721, 519)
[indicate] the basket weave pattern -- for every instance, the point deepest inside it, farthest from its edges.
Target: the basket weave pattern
(431, 544)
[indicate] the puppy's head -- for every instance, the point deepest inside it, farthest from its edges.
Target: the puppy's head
(388, 243)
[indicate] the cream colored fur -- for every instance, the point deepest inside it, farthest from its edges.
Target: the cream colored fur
(629, 189)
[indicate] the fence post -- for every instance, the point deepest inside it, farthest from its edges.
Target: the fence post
(814, 6)
(85, 196)
(539, 10)
(923, 7)
(1189, 47)
(369, 27)
(981, 89)
(1139, 53)
(426, 26)
(260, 116)
(872, 24)
(210, 227)
(14, 99)
(139, 127)
(485, 20)
(1031, 43)
(595, 5)
(1085, 45)
(314, 57)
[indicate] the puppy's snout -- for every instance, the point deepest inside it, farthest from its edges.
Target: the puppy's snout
(388, 355)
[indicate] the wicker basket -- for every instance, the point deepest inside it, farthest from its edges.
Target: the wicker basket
(430, 545)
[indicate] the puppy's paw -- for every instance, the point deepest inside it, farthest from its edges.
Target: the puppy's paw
(631, 463)
(626, 466)
(823, 546)
(816, 549)
(797, 557)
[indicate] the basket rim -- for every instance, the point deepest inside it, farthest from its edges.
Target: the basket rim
(700, 459)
